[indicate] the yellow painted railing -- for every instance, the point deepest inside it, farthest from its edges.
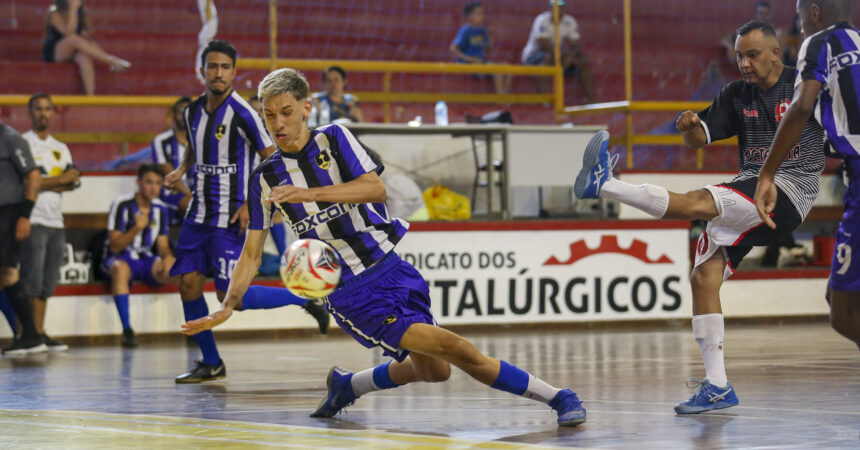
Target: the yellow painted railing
(100, 100)
(630, 139)
(388, 68)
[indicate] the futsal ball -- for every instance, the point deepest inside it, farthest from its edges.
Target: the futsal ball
(311, 268)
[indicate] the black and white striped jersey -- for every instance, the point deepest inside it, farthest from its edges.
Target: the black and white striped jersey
(744, 110)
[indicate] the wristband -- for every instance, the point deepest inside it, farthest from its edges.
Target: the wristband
(26, 208)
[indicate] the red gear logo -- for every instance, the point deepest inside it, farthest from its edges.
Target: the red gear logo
(781, 109)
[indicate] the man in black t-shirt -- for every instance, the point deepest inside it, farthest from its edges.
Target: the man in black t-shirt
(751, 109)
(19, 185)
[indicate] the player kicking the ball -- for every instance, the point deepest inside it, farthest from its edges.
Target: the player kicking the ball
(751, 109)
(326, 187)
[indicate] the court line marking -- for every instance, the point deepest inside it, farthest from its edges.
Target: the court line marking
(193, 427)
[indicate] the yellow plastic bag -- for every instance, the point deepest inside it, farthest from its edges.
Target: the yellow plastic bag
(444, 204)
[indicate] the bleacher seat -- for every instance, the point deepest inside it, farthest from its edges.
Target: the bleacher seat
(673, 43)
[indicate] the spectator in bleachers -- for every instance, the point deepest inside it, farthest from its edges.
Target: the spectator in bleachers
(68, 37)
(168, 150)
(540, 48)
(136, 248)
(764, 13)
(473, 43)
(19, 188)
(333, 104)
(42, 253)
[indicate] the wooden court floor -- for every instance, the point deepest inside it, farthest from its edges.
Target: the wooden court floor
(799, 387)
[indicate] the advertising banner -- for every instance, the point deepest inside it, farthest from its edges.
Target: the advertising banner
(510, 276)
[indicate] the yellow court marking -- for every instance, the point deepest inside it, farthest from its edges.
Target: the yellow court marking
(92, 430)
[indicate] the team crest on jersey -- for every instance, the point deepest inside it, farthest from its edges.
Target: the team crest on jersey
(220, 130)
(703, 244)
(781, 109)
(323, 160)
(57, 154)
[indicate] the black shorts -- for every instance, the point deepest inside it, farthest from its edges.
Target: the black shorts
(738, 227)
(10, 248)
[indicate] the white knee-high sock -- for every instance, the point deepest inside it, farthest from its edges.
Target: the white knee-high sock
(540, 390)
(373, 379)
(653, 200)
(709, 330)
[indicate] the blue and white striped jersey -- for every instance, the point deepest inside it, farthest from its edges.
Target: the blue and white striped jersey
(362, 234)
(166, 149)
(224, 143)
(832, 57)
(121, 218)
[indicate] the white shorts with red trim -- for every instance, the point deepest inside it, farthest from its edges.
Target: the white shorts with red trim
(736, 217)
(738, 227)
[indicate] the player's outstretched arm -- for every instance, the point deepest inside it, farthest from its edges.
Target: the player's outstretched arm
(789, 132)
(367, 188)
(243, 274)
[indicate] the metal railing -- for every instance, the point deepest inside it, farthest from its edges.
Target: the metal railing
(630, 139)
(386, 96)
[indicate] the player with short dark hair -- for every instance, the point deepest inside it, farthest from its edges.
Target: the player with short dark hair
(326, 187)
(223, 134)
(826, 89)
(136, 246)
(217, 46)
(19, 186)
(751, 109)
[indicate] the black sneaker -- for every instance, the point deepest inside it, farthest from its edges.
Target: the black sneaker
(318, 311)
(54, 346)
(203, 372)
(128, 339)
(21, 346)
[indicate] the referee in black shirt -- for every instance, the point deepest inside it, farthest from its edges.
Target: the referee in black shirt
(19, 185)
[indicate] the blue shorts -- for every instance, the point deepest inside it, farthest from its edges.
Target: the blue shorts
(845, 267)
(381, 303)
(202, 247)
(141, 269)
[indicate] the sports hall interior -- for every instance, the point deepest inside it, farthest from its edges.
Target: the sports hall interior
(626, 356)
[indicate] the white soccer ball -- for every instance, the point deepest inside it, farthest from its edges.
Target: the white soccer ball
(311, 268)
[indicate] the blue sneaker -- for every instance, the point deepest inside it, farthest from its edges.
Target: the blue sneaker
(707, 397)
(340, 395)
(569, 408)
(597, 167)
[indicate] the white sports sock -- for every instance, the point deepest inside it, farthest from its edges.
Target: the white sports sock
(653, 200)
(362, 382)
(709, 330)
(540, 390)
